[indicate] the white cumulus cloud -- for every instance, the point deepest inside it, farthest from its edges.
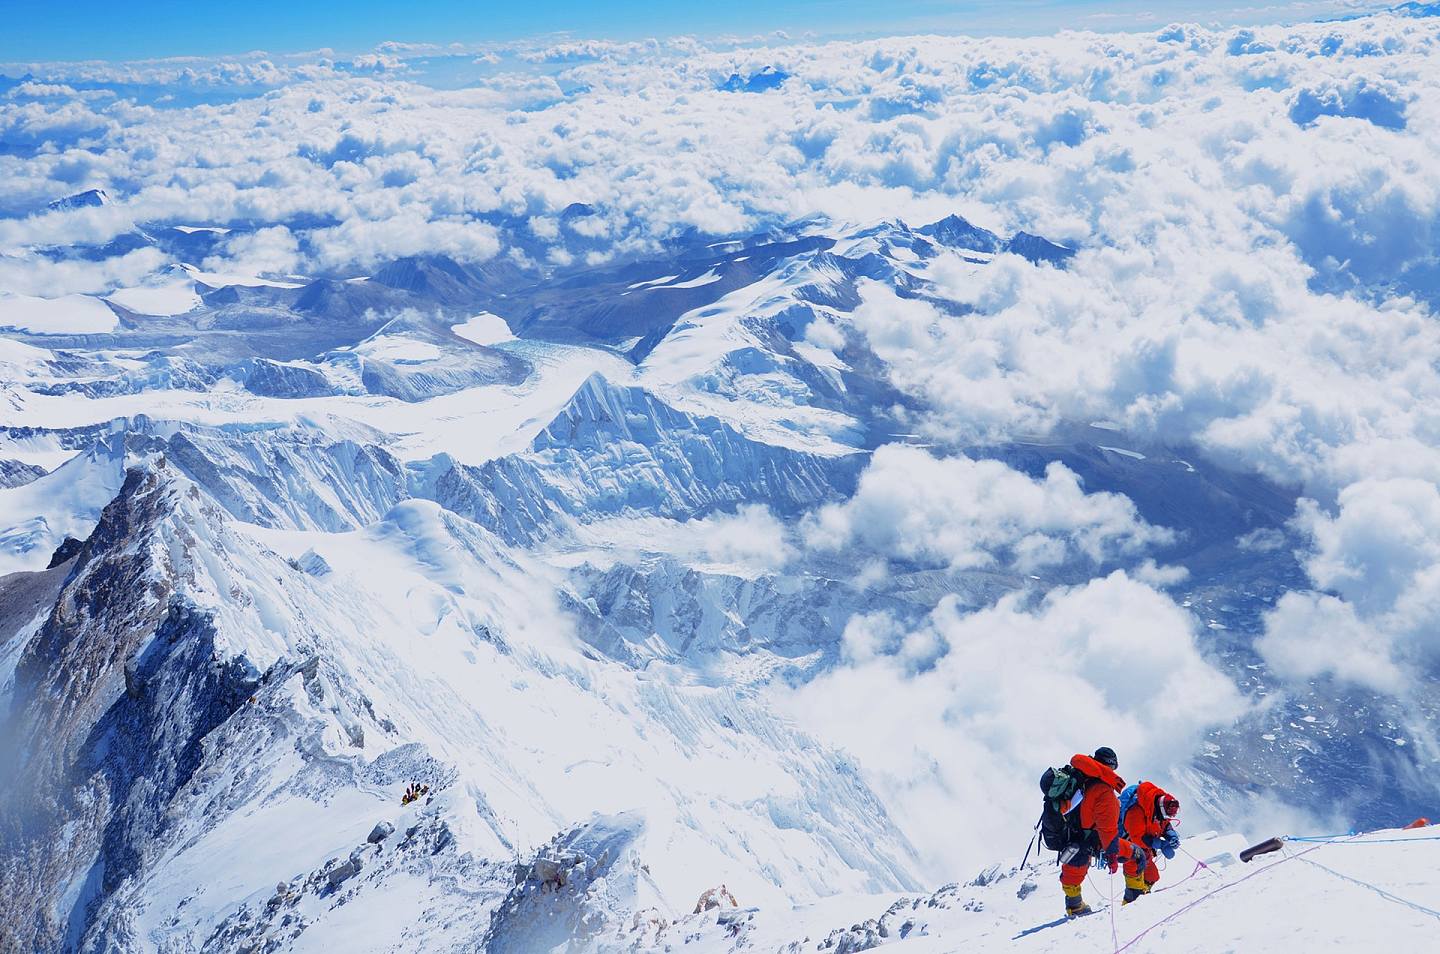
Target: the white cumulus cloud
(952, 719)
(967, 513)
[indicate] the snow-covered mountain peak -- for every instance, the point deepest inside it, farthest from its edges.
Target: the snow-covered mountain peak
(423, 631)
(90, 198)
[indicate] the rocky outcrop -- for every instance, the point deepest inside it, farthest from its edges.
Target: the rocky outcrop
(288, 380)
(585, 883)
(426, 851)
(115, 696)
(717, 897)
(68, 549)
(16, 473)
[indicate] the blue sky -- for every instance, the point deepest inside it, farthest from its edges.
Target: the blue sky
(39, 30)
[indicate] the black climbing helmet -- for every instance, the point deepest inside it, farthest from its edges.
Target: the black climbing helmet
(1106, 756)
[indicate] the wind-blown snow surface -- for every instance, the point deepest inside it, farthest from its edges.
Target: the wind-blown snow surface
(1342, 897)
(702, 482)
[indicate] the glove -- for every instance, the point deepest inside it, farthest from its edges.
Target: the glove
(1171, 842)
(1112, 862)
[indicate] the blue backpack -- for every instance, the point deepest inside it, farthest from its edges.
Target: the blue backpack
(1127, 802)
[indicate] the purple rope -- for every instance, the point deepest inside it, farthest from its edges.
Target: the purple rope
(1198, 866)
(1210, 894)
(1114, 935)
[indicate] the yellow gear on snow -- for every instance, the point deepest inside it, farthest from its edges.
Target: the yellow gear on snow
(1137, 882)
(1074, 904)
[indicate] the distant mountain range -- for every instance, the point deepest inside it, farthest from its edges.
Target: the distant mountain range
(276, 547)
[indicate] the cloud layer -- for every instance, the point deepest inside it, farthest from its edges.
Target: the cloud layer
(965, 513)
(953, 717)
(1088, 137)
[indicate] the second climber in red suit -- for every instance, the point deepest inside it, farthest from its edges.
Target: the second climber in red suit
(1099, 810)
(1149, 822)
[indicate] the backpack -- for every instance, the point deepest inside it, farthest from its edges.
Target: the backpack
(1127, 802)
(1059, 830)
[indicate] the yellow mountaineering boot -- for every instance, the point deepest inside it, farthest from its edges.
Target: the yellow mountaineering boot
(1074, 904)
(1135, 885)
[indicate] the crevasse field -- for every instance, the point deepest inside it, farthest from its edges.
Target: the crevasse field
(739, 462)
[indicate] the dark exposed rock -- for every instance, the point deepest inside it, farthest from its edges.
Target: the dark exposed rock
(17, 473)
(343, 871)
(116, 694)
(551, 903)
(956, 232)
(68, 549)
(1037, 250)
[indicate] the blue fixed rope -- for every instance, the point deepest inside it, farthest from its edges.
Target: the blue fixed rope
(1348, 834)
(1365, 884)
(1340, 839)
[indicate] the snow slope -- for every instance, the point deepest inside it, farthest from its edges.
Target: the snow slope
(167, 299)
(35, 517)
(1346, 895)
(415, 648)
(70, 314)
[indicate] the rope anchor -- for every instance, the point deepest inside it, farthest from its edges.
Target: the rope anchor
(1263, 848)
